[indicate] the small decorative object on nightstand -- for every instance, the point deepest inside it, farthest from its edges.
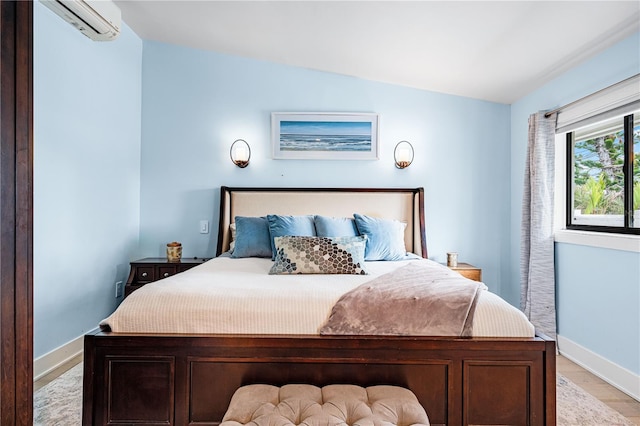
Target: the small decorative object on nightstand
(150, 269)
(468, 271)
(174, 251)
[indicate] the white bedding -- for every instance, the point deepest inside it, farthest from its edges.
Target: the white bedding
(238, 296)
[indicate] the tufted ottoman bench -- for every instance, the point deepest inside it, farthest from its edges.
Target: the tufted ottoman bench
(265, 405)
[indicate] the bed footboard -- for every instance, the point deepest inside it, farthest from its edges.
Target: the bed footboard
(189, 380)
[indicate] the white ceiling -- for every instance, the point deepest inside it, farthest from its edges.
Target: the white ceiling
(493, 50)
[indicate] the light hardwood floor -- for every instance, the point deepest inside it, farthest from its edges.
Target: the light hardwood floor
(619, 401)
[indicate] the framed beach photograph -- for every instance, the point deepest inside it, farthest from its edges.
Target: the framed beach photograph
(324, 136)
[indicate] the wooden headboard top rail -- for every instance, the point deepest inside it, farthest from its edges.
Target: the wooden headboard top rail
(403, 204)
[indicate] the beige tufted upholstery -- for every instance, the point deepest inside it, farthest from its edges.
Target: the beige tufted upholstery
(265, 405)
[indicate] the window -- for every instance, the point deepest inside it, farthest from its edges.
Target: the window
(603, 176)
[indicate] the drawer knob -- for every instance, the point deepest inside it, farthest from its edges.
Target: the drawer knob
(144, 274)
(166, 274)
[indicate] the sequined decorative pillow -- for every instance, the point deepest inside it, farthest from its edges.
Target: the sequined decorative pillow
(319, 255)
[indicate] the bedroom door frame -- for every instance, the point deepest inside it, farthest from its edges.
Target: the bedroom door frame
(16, 213)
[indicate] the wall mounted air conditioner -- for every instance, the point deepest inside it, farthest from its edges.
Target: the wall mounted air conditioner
(97, 19)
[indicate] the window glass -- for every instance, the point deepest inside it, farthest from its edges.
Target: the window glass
(636, 169)
(598, 174)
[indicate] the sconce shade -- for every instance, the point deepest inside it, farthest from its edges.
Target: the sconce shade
(403, 154)
(240, 153)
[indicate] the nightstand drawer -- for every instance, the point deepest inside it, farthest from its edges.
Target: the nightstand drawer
(145, 274)
(472, 274)
(150, 269)
(468, 271)
(185, 266)
(166, 271)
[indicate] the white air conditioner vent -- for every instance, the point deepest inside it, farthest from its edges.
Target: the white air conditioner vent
(99, 20)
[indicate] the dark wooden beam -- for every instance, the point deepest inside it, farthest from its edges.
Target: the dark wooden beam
(16, 212)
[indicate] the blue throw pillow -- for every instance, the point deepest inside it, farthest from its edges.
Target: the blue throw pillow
(280, 226)
(252, 237)
(385, 238)
(335, 226)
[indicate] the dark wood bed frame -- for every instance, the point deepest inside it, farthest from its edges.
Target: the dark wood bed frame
(152, 379)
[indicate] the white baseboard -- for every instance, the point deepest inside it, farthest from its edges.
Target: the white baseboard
(50, 361)
(617, 376)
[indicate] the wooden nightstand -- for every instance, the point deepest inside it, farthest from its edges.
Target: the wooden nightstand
(150, 269)
(468, 271)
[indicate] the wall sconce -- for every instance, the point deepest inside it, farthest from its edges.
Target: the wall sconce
(240, 153)
(403, 154)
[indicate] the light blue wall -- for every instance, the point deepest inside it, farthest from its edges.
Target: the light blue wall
(87, 103)
(598, 299)
(196, 103)
(599, 306)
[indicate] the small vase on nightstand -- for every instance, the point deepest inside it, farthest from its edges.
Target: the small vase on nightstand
(174, 251)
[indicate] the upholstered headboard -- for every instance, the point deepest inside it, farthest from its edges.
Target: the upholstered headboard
(404, 204)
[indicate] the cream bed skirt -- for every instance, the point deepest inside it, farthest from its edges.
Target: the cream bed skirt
(238, 296)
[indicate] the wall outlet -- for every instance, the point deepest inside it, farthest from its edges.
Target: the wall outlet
(204, 226)
(119, 288)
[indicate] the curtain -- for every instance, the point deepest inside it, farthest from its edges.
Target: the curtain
(537, 270)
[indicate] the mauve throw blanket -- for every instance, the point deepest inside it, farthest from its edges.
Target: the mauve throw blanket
(417, 299)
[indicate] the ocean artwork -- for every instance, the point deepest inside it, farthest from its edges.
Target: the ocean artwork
(326, 136)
